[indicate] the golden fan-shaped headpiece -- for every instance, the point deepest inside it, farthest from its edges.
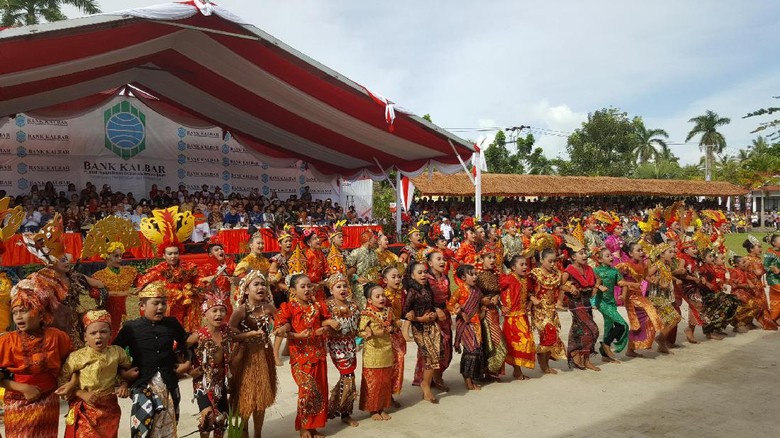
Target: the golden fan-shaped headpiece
(11, 217)
(47, 244)
(335, 261)
(168, 227)
(105, 236)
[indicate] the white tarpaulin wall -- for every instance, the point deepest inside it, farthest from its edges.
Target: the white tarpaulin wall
(129, 146)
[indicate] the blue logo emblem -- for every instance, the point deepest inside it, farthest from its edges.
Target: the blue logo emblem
(226, 188)
(225, 161)
(21, 168)
(21, 120)
(302, 179)
(181, 159)
(228, 136)
(181, 132)
(303, 166)
(225, 148)
(21, 152)
(23, 184)
(225, 175)
(181, 145)
(264, 166)
(21, 136)
(266, 190)
(264, 178)
(182, 173)
(125, 130)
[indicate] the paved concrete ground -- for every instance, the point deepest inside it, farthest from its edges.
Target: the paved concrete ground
(713, 389)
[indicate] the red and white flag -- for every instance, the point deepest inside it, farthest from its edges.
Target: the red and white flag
(407, 193)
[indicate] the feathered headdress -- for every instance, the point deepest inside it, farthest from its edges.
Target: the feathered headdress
(573, 242)
(211, 299)
(336, 229)
(609, 220)
(108, 235)
(287, 232)
(717, 217)
(168, 227)
(10, 220)
(47, 244)
(467, 223)
(672, 213)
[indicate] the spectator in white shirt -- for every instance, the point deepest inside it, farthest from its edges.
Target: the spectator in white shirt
(32, 220)
(446, 229)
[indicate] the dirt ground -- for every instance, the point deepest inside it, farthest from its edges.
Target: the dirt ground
(713, 389)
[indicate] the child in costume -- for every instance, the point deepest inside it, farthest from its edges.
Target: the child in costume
(466, 304)
(30, 361)
(615, 327)
(661, 292)
(254, 384)
(304, 321)
(94, 411)
(547, 289)
(211, 365)
(150, 340)
(643, 319)
(376, 326)
(342, 348)
(394, 301)
(516, 290)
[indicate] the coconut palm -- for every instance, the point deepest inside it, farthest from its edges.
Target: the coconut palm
(712, 142)
(26, 12)
(759, 146)
(649, 142)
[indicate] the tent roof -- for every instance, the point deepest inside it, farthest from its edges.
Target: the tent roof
(548, 185)
(202, 60)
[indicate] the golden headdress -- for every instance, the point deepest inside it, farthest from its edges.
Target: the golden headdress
(168, 227)
(94, 316)
(108, 235)
(47, 244)
(609, 220)
(577, 231)
(336, 229)
(672, 213)
(155, 289)
(717, 217)
(335, 278)
(11, 217)
(296, 264)
(652, 223)
(573, 242)
(659, 249)
(539, 242)
(335, 261)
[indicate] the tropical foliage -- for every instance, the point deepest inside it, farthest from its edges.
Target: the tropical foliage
(27, 12)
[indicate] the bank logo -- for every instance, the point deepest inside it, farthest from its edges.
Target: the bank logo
(125, 130)
(225, 175)
(264, 166)
(181, 132)
(302, 179)
(266, 191)
(225, 149)
(21, 136)
(225, 161)
(265, 178)
(21, 168)
(20, 120)
(226, 188)
(182, 173)
(22, 184)
(181, 145)
(21, 152)
(181, 159)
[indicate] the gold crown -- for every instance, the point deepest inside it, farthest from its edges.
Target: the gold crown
(155, 289)
(15, 217)
(108, 235)
(47, 244)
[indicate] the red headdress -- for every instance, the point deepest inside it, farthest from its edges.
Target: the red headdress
(468, 223)
(366, 235)
(509, 223)
(212, 299)
(94, 316)
(529, 223)
(26, 294)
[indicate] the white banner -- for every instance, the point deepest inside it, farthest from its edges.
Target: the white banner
(130, 147)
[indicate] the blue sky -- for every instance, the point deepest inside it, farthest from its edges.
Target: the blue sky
(507, 63)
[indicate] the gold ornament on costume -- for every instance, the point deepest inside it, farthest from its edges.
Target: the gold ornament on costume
(335, 261)
(673, 213)
(337, 229)
(155, 289)
(574, 243)
(11, 217)
(578, 232)
(47, 244)
(296, 264)
(168, 227)
(108, 235)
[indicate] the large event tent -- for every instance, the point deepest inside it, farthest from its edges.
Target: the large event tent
(197, 62)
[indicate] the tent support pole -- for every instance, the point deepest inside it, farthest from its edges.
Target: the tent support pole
(398, 206)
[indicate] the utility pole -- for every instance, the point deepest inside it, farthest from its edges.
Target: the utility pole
(707, 162)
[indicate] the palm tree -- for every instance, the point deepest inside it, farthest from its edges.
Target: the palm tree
(759, 146)
(711, 142)
(648, 142)
(666, 154)
(26, 12)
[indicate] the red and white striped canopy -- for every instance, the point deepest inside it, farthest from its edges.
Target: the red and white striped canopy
(198, 59)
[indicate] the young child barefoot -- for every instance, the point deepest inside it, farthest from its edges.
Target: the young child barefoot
(342, 348)
(547, 288)
(466, 305)
(254, 377)
(615, 327)
(94, 411)
(515, 304)
(211, 366)
(376, 326)
(304, 321)
(394, 295)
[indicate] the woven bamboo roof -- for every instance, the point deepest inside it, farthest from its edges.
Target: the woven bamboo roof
(548, 185)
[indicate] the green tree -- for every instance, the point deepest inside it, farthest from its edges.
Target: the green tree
(26, 12)
(603, 146)
(771, 126)
(498, 157)
(659, 169)
(649, 142)
(712, 142)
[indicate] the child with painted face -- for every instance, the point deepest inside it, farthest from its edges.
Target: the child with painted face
(254, 383)
(377, 325)
(211, 365)
(94, 411)
(343, 349)
(30, 361)
(304, 322)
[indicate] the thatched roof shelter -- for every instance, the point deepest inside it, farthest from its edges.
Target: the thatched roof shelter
(548, 185)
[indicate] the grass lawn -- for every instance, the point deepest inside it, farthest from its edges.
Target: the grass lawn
(734, 241)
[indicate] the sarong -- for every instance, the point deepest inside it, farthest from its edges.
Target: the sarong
(153, 414)
(774, 302)
(99, 421)
(584, 332)
(446, 349)
(493, 346)
(643, 321)
(720, 309)
(666, 310)
(399, 354)
(375, 393)
(312, 381)
(520, 347)
(428, 340)
(38, 419)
